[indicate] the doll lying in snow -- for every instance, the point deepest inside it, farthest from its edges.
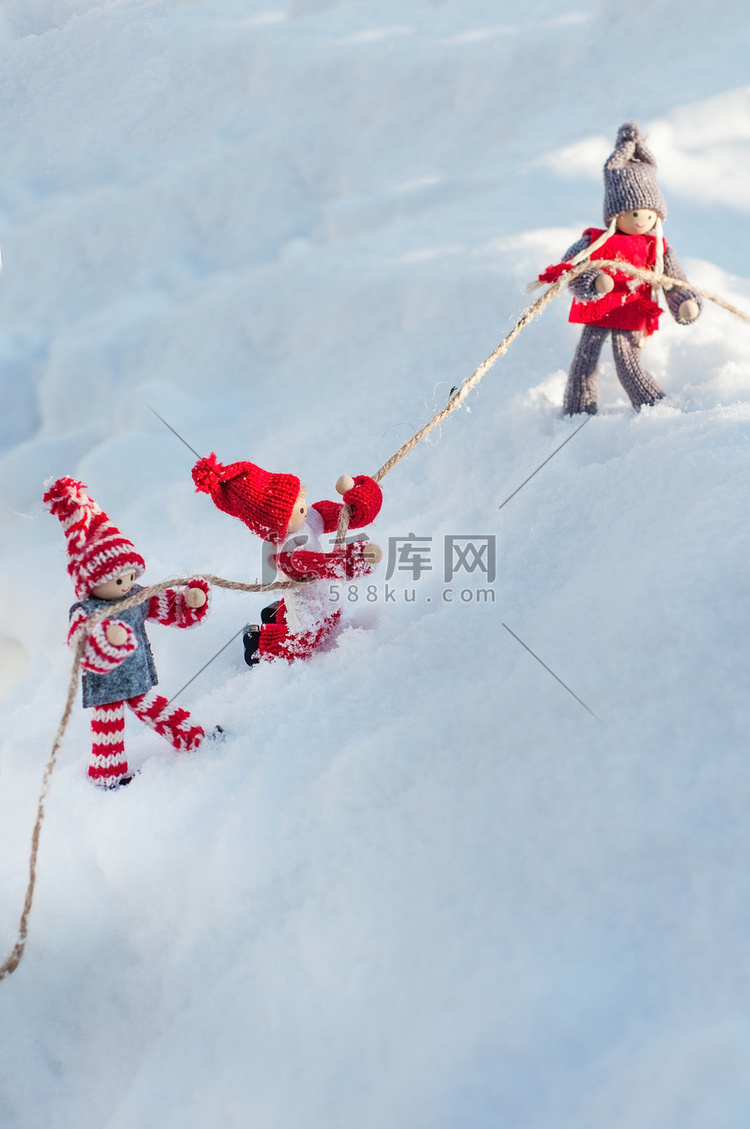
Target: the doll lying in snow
(273, 506)
(117, 662)
(618, 303)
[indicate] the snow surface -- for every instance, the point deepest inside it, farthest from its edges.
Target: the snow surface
(419, 887)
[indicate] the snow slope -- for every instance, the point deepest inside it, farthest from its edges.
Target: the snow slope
(419, 887)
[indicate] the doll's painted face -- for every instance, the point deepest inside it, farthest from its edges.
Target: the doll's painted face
(115, 588)
(637, 222)
(299, 512)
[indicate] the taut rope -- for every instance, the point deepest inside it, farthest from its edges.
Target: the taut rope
(662, 280)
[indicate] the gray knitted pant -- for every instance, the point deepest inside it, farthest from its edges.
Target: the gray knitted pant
(580, 392)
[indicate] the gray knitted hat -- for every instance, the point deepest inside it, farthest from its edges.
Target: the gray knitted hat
(630, 176)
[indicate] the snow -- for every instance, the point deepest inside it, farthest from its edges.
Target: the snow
(419, 886)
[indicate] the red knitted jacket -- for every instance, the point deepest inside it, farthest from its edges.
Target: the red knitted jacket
(629, 305)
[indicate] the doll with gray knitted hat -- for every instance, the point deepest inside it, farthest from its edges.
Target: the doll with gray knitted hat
(615, 302)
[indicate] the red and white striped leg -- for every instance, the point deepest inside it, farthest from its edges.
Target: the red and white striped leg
(173, 723)
(108, 765)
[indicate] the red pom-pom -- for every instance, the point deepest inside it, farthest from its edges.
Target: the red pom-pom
(65, 496)
(207, 474)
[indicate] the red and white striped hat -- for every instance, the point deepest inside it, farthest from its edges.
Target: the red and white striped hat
(98, 551)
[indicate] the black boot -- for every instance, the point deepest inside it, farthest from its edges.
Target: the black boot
(268, 615)
(251, 634)
(251, 642)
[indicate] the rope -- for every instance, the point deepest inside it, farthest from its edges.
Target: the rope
(463, 391)
(11, 964)
(666, 281)
(455, 401)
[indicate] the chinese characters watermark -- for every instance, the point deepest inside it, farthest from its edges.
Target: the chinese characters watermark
(409, 554)
(461, 553)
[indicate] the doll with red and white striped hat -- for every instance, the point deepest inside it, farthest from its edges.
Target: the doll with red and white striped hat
(118, 666)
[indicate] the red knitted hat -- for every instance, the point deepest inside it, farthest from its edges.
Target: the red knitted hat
(263, 501)
(98, 551)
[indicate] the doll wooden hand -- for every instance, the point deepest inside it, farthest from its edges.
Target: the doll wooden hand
(689, 310)
(116, 634)
(372, 553)
(195, 597)
(603, 283)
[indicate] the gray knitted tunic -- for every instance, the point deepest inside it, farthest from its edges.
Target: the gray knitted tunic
(136, 674)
